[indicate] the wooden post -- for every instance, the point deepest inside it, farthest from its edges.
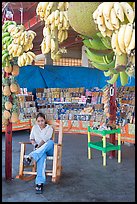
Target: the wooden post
(113, 109)
(8, 151)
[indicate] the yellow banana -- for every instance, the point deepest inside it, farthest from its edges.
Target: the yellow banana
(32, 54)
(10, 27)
(131, 45)
(52, 26)
(56, 14)
(114, 43)
(66, 15)
(60, 33)
(100, 9)
(50, 5)
(65, 22)
(59, 26)
(113, 19)
(19, 51)
(128, 34)
(61, 6)
(46, 31)
(107, 9)
(109, 33)
(108, 24)
(57, 21)
(128, 10)
(66, 5)
(119, 11)
(44, 5)
(53, 45)
(101, 24)
(95, 15)
(61, 17)
(121, 43)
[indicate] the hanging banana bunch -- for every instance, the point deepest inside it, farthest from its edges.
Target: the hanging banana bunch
(116, 21)
(55, 31)
(16, 43)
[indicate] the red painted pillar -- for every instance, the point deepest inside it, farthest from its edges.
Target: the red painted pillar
(113, 109)
(8, 146)
(8, 151)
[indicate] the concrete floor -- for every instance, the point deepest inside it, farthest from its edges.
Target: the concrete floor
(82, 180)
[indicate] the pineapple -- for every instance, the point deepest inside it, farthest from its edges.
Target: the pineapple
(8, 69)
(6, 91)
(8, 105)
(14, 85)
(6, 114)
(4, 121)
(14, 117)
(15, 70)
(15, 110)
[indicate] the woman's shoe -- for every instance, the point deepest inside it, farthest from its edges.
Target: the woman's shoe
(26, 160)
(39, 188)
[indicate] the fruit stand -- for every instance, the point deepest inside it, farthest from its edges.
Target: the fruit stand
(107, 32)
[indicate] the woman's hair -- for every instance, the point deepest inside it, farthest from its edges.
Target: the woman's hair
(42, 116)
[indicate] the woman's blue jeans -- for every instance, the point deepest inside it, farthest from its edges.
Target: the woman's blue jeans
(39, 155)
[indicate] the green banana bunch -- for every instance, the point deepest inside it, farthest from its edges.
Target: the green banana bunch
(113, 78)
(5, 55)
(94, 56)
(6, 24)
(104, 66)
(94, 43)
(123, 78)
(108, 57)
(110, 72)
(105, 40)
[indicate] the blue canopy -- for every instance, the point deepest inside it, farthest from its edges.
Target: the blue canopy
(33, 77)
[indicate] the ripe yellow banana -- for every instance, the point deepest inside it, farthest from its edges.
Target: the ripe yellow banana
(10, 27)
(19, 51)
(113, 19)
(109, 33)
(32, 54)
(95, 15)
(66, 5)
(65, 22)
(114, 43)
(61, 6)
(100, 9)
(101, 24)
(66, 14)
(44, 5)
(128, 10)
(61, 17)
(50, 5)
(119, 11)
(108, 24)
(131, 45)
(46, 31)
(121, 43)
(128, 34)
(107, 9)
(53, 45)
(60, 33)
(56, 14)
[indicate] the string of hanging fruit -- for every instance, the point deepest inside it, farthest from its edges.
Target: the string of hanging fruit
(110, 46)
(55, 31)
(16, 43)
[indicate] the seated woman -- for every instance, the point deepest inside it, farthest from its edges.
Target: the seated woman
(41, 138)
